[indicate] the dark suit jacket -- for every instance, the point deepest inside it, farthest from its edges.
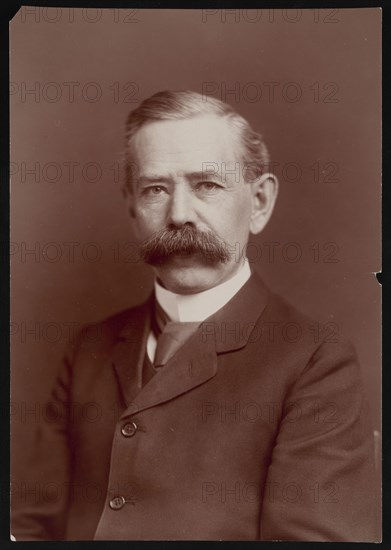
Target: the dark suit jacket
(256, 429)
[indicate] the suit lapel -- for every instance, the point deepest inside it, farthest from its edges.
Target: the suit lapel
(128, 353)
(187, 369)
(232, 324)
(196, 361)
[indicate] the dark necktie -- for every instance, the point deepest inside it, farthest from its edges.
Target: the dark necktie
(171, 335)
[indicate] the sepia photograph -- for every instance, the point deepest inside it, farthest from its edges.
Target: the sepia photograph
(195, 250)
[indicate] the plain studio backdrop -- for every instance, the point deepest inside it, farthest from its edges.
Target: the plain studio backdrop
(308, 80)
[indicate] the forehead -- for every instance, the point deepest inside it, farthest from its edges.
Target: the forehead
(178, 145)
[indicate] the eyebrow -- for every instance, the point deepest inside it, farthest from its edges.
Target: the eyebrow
(202, 175)
(152, 179)
(190, 176)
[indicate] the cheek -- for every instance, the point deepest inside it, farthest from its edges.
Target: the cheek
(234, 220)
(147, 220)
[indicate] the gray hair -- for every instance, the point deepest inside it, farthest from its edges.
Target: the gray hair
(184, 104)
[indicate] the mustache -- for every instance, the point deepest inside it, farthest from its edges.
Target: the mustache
(185, 241)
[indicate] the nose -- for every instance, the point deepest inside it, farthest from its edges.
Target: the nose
(180, 209)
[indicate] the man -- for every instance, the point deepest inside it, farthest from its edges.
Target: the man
(215, 423)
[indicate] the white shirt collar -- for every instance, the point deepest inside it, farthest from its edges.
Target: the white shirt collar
(197, 307)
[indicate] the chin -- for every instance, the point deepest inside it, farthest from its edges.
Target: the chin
(189, 279)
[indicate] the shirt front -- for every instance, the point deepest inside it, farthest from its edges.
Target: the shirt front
(197, 307)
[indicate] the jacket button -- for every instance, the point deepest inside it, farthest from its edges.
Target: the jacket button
(129, 429)
(117, 503)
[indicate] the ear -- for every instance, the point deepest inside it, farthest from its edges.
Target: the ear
(263, 195)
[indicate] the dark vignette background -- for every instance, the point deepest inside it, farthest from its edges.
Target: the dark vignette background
(332, 133)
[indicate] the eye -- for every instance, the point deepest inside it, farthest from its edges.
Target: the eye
(153, 190)
(208, 186)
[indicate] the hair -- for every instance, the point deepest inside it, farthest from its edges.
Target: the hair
(185, 104)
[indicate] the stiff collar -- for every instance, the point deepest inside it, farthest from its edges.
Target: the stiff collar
(200, 306)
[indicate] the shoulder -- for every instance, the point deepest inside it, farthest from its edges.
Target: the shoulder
(294, 321)
(122, 320)
(101, 336)
(301, 342)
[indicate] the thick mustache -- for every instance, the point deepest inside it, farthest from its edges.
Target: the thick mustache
(184, 241)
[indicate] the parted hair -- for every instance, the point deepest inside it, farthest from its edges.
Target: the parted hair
(184, 104)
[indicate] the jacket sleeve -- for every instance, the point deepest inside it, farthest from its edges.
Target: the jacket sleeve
(39, 503)
(320, 482)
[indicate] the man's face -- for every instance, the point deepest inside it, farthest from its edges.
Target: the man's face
(183, 181)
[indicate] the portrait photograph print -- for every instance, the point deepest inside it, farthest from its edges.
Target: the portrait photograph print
(195, 249)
